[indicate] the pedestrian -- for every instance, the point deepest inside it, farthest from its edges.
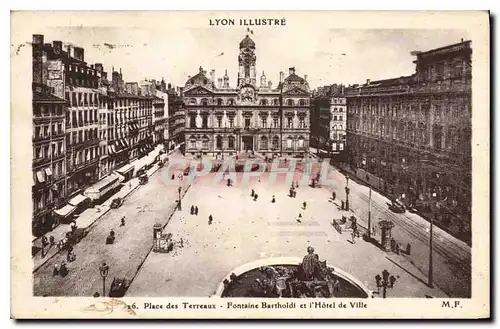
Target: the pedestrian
(255, 197)
(297, 184)
(294, 193)
(228, 182)
(210, 219)
(129, 185)
(353, 235)
(192, 209)
(196, 210)
(299, 219)
(56, 270)
(182, 242)
(273, 200)
(333, 195)
(63, 271)
(123, 221)
(253, 193)
(304, 204)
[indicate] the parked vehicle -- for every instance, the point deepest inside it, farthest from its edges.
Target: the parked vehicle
(143, 179)
(397, 206)
(118, 287)
(116, 203)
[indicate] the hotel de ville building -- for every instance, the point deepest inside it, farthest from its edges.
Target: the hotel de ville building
(253, 116)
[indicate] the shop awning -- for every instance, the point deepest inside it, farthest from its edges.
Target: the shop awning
(102, 187)
(40, 176)
(75, 201)
(65, 211)
(125, 169)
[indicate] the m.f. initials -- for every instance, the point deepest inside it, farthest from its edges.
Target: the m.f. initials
(455, 304)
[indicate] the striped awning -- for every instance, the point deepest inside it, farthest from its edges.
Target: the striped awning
(65, 211)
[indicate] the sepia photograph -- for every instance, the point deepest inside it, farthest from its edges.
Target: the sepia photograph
(250, 164)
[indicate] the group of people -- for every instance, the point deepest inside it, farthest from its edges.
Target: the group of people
(254, 195)
(194, 210)
(62, 271)
(293, 191)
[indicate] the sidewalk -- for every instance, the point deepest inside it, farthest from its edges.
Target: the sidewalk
(86, 218)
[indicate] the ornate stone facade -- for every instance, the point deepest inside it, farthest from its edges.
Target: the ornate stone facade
(412, 135)
(223, 120)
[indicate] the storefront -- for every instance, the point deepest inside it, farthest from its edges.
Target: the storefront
(65, 213)
(80, 202)
(101, 188)
(126, 171)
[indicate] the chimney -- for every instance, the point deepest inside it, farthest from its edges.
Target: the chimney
(79, 53)
(219, 83)
(282, 75)
(212, 75)
(37, 50)
(291, 71)
(57, 48)
(368, 82)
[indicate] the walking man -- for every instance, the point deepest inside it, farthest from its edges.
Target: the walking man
(255, 197)
(123, 221)
(333, 195)
(196, 210)
(299, 219)
(210, 219)
(253, 193)
(192, 210)
(304, 205)
(273, 200)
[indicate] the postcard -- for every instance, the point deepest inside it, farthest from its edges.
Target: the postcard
(250, 165)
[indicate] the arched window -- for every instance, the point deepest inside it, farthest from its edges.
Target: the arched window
(263, 143)
(302, 102)
(301, 142)
(289, 142)
(219, 101)
(192, 101)
(263, 102)
(204, 101)
(204, 141)
(276, 102)
(276, 142)
(231, 142)
(289, 102)
(192, 142)
(230, 102)
(218, 142)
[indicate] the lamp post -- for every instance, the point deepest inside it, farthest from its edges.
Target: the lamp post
(347, 190)
(430, 284)
(179, 203)
(104, 270)
(385, 281)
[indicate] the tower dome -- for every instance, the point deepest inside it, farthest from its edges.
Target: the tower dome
(247, 43)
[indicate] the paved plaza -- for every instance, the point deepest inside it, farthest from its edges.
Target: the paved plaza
(244, 230)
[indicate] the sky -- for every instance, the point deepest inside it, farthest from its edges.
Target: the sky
(326, 56)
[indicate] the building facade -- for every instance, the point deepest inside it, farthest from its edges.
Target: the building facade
(160, 117)
(329, 119)
(411, 136)
(49, 155)
(176, 119)
(251, 117)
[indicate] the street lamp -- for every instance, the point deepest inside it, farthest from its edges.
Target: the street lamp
(347, 190)
(104, 270)
(179, 203)
(384, 282)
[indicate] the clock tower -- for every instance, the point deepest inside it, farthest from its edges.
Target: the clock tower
(246, 61)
